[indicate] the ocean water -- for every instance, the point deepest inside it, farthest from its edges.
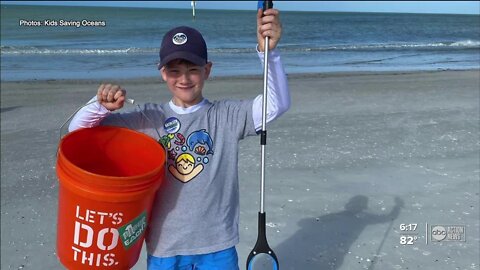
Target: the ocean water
(125, 41)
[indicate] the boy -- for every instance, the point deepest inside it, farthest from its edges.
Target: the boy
(194, 223)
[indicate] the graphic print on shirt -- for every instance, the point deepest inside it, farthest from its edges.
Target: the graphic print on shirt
(187, 156)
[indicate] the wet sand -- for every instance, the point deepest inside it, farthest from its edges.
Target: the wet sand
(356, 156)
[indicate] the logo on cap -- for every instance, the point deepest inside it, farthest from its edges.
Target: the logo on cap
(179, 39)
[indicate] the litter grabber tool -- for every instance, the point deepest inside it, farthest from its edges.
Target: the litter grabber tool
(261, 246)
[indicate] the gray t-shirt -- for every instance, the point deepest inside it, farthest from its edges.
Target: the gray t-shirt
(196, 210)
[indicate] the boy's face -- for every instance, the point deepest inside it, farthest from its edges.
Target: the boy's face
(185, 81)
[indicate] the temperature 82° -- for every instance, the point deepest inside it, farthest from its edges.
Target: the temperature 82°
(408, 239)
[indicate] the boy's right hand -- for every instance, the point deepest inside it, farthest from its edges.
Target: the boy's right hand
(111, 96)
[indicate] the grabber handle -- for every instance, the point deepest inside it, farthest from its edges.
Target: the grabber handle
(265, 5)
(262, 247)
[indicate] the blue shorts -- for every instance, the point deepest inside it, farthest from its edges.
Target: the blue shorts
(221, 260)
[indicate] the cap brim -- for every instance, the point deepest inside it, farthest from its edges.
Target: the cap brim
(199, 61)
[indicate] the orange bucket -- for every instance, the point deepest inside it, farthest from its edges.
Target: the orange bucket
(108, 179)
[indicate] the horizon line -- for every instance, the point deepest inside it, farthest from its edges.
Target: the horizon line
(5, 3)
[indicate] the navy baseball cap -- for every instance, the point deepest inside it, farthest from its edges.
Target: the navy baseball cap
(183, 43)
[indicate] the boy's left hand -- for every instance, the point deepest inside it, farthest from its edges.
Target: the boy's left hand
(268, 25)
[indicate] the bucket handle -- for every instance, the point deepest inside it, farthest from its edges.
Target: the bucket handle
(128, 100)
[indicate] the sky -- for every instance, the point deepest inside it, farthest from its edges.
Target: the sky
(447, 7)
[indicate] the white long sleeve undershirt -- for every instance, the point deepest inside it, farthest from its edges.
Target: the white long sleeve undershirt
(278, 99)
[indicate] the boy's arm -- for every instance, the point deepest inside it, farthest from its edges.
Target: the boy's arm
(278, 99)
(110, 97)
(89, 116)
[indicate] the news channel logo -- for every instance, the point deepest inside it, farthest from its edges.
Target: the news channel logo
(442, 233)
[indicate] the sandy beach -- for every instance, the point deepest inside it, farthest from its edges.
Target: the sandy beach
(356, 156)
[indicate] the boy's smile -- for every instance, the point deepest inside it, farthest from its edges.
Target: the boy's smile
(185, 81)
